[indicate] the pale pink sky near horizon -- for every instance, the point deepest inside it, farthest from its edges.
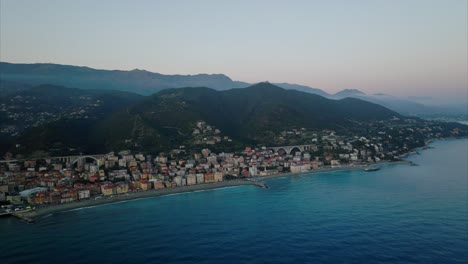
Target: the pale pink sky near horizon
(402, 48)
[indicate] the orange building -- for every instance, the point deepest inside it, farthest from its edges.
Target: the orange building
(159, 185)
(145, 185)
(209, 177)
(107, 189)
(38, 198)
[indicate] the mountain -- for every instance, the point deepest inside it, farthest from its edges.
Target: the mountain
(137, 81)
(50, 116)
(400, 105)
(253, 115)
(347, 93)
(303, 88)
(403, 106)
(146, 83)
(7, 87)
(448, 107)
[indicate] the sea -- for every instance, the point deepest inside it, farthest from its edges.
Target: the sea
(399, 214)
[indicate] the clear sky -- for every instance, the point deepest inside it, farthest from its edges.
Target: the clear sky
(407, 47)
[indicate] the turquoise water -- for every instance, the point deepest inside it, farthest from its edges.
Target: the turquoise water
(400, 214)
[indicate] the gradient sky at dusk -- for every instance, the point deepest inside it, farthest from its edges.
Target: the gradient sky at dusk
(402, 48)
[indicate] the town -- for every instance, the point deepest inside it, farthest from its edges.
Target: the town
(29, 183)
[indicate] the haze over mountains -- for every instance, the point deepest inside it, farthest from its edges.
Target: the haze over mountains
(136, 81)
(146, 83)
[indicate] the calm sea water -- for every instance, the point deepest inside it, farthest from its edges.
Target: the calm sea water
(401, 214)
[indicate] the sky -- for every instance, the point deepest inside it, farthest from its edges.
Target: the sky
(402, 48)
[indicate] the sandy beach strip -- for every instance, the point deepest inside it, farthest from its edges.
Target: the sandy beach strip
(41, 211)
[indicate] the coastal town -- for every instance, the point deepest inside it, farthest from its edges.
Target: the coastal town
(29, 184)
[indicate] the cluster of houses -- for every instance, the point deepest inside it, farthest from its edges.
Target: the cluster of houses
(207, 135)
(55, 181)
(24, 111)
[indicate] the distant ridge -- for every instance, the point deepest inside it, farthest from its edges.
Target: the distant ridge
(347, 93)
(145, 83)
(303, 88)
(137, 81)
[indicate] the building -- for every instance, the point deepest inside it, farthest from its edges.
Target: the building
(83, 194)
(55, 197)
(209, 177)
(191, 179)
(121, 188)
(14, 199)
(27, 193)
(298, 168)
(107, 189)
(159, 185)
(178, 180)
(200, 178)
(38, 198)
(168, 184)
(4, 188)
(218, 176)
(253, 171)
(145, 185)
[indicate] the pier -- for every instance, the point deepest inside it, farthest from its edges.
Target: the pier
(25, 215)
(259, 184)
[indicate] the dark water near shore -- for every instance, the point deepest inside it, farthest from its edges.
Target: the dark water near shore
(400, 214)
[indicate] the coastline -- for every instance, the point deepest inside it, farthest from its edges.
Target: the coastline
(334, 169)
(313, 199)
(42, 211)
(257, 181)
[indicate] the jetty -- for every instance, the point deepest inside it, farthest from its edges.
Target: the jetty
(25, 215)
(258, 183)
(261, 185)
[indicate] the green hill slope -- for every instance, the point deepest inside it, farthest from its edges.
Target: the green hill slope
(252, 114)
(99, 120)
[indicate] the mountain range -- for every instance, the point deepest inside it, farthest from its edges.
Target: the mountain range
(146, 83)
(92, 121)
(135, 81)
(114, 110)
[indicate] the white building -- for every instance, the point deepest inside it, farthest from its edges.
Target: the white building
(83, 194)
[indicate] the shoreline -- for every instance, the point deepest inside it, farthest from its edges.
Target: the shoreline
(42, 211)
(335, 169)
(255, 181)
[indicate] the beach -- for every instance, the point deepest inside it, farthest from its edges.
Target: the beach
(41, 211)
(256, 181)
